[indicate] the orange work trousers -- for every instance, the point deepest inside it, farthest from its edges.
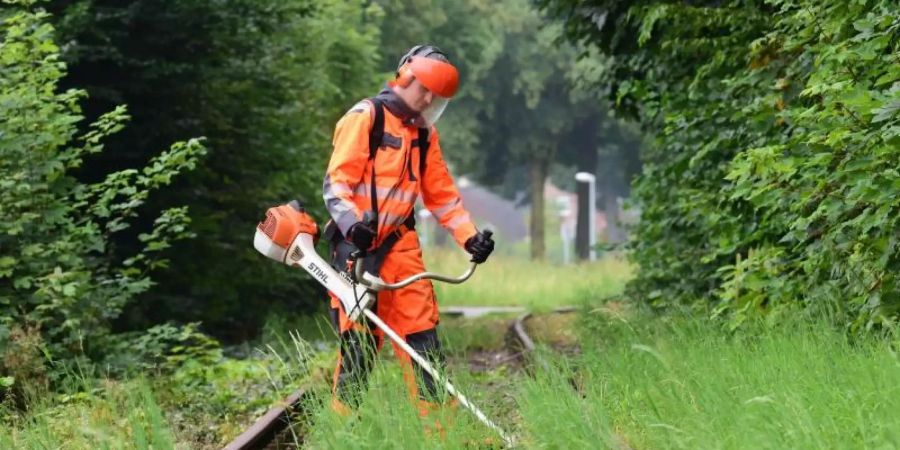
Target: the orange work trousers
(411, 311)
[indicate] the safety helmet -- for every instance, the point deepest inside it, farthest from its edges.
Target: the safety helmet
(430, 66)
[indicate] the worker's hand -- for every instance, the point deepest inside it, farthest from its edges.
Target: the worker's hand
(361, 235)
(480, 247)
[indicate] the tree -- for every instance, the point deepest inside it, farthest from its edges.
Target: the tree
(600, 142)
(60, 277)
(265, 80)
(771, 185)
(530, 110)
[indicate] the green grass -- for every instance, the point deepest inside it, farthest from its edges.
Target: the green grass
(659, 383)
(685, 383)
(387, 418)
(111, 415)
(510, 281)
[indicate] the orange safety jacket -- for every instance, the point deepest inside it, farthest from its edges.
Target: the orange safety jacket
(398, 176)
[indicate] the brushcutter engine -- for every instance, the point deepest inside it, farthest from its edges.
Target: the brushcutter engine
(289, 235)
(276, 233)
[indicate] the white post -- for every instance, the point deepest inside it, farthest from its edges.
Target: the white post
(591, 180)
(564, 210)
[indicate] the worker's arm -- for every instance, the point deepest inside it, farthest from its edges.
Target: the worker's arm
(440, 195)
(347, 166)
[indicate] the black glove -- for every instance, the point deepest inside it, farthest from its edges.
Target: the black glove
(480, 246)
(361, 235)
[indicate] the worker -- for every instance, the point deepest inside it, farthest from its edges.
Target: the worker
(387, 154)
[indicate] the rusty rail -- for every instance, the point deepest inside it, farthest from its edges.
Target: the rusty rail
(518, 327)
(267, 427)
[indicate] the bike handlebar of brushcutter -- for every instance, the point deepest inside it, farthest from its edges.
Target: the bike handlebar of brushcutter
(376, 283)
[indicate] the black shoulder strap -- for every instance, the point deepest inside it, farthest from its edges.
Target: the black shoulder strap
(423, 150)
(376, 135)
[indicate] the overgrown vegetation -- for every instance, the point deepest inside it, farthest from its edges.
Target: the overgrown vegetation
(774, 178)
(109, 415)
(481, 364)
(685, 382)
(175, 388)
(60, 285)
(265, 81)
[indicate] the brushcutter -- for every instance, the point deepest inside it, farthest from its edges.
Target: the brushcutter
(288, 235)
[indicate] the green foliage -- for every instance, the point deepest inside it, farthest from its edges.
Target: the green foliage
(214, 398)
(58, 275)
(117, 415)
(773, 181)
(681, 381)
(162, 349)
(265, 80)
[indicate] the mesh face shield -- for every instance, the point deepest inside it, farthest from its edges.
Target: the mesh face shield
(433, 112)
(439, 77)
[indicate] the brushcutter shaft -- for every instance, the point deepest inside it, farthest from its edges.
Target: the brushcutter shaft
(425, 365)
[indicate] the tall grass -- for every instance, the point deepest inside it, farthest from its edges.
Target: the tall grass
(113, 415)
(685, 383)
(673, 382)
(513, 281)
(386, 418)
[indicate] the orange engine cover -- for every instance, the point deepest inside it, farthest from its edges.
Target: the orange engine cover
(284, 222)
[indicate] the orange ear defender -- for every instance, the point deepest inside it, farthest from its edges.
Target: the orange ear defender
(404, 76)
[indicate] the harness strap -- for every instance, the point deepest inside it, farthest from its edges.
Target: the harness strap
(388, 243)
(423, 150)
(376, 135)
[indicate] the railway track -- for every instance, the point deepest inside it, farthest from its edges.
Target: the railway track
(520, 334)
(271, 429)
(280, 427)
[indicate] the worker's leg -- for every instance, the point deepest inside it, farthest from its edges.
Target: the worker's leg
(356, 355)
(426, 343)
(413, 313)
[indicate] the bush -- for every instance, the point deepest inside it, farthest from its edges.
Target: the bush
(774, 178)
(57, 275)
